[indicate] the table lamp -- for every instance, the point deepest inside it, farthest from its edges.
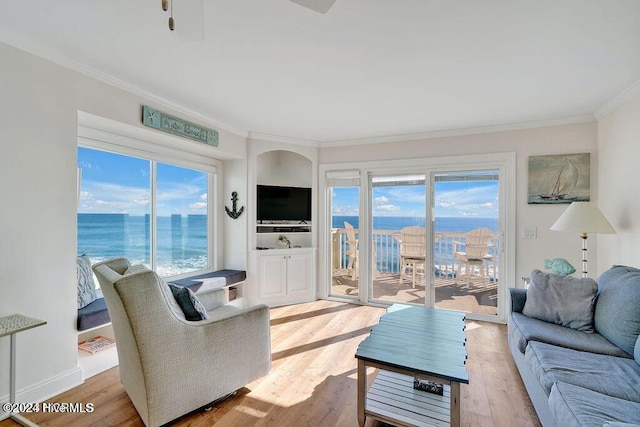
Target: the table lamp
(583, 217)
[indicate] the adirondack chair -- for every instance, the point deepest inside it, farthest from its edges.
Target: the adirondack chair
(472, 254)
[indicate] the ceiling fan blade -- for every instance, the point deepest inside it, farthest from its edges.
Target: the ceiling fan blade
(321, 6)
(188, 18)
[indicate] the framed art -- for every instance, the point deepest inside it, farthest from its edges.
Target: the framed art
(561, 178)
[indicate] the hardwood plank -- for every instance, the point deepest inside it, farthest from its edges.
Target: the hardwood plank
(313, 380)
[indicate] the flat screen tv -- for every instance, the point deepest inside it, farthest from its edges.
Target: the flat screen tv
(276, 203)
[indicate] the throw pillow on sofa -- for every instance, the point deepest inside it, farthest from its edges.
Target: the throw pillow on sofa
(617, 313)
(563, 300)
(86, 285)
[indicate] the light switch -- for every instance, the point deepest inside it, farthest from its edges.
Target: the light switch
(530, 232)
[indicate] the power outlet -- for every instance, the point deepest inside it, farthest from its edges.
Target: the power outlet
(530, 232)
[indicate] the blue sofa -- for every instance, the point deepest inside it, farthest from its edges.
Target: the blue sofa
(577, 377)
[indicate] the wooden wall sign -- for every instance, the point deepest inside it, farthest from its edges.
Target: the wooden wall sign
(167, 123)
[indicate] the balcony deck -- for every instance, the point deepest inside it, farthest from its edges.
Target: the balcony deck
(477, 298)
(478, 295)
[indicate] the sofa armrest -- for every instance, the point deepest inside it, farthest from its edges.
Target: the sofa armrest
(517, 300)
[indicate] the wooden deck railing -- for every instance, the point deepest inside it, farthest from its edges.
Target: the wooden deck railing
(387, 250)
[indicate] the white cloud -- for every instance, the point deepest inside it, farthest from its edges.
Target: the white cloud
(344, 210)
(381, 199)
(387, 208)
(444, 203)
(198, 206)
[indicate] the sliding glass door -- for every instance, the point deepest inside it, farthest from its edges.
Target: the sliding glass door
(427, 232)
(398, 238)
(344, 247)
(466, 236)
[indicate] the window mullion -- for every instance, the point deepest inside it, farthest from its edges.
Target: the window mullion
(153, 217)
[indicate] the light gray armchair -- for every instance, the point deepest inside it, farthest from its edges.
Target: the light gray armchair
(170, 366)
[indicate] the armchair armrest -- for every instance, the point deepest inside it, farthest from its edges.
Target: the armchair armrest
(212, 298)
(517, 300)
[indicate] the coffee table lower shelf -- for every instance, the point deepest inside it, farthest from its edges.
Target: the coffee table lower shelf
(392, 399)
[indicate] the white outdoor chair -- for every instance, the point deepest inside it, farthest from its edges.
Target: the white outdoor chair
(475, 254)
(412, 242)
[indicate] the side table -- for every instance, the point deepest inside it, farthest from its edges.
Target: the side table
(11, 325)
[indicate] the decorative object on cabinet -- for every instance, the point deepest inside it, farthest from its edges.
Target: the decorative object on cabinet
(234, 213)
(558, 179)
(284, 241)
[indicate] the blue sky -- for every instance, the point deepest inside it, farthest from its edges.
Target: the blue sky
(452, 199)
(113, 183)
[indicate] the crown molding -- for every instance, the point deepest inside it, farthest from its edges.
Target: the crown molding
(463, 131)
(37, 49)
(618, 100)
(283, 139)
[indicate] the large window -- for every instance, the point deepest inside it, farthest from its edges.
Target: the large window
(151, 212)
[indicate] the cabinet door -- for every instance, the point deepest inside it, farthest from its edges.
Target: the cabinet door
(299, 274)
(273, 276)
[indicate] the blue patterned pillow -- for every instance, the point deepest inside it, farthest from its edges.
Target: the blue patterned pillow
(86, 286)
(189, 303)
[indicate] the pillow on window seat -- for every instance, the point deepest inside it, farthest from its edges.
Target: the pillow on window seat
(189, 303)
(86, 285)
(564, 300)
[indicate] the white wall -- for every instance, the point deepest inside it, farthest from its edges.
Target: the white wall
(39, 104)
(619, 185)
(530, 254)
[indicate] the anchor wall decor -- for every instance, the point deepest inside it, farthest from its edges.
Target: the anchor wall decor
(235, 213)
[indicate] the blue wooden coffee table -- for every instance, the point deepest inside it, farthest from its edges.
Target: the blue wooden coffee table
(413, 342)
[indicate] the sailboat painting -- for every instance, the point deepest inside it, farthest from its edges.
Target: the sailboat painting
(563, 178)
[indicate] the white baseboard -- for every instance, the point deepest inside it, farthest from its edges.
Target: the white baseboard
(48, 388)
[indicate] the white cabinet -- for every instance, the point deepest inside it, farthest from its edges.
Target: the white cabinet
(286, 276)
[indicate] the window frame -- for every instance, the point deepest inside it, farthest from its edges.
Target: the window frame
(118, 138)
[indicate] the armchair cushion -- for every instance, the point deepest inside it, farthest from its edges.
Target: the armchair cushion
(86, 285)
(191, 307)
(564, 300)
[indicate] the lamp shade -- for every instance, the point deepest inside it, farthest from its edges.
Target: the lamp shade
(583, 217)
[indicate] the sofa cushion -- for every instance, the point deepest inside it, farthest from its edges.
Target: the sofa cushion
(86, 285)
(615, 376)
(617, 316)
(564, 300)
(577, 406)
(191, 307)
(524, 329)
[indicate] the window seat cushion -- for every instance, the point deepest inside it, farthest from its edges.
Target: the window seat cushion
(93, 315)
(213, 280)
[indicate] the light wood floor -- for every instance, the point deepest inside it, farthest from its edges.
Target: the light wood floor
(313, 379)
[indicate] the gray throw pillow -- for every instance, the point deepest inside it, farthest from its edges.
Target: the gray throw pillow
(617, 313)
(86, 285)
(564, 300)
(190, 304)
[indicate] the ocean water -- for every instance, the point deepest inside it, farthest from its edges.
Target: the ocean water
(453, 224)
(182, 240)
